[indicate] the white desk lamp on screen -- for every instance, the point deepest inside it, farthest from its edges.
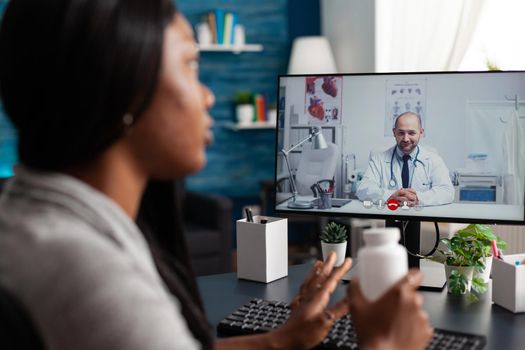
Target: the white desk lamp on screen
(319, 143)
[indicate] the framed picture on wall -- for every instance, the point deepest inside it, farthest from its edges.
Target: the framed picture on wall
(404, 96)
(323, 100)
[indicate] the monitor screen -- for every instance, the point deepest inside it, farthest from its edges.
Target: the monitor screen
(408, 146)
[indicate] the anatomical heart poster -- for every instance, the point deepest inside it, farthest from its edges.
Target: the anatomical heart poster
(323, 100)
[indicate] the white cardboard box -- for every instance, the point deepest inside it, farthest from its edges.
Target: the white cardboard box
(262, 249)
(508, 283)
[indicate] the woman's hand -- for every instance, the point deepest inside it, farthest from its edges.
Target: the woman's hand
(394, 321)
(311, 319)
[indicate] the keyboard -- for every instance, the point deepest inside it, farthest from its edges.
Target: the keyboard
(259, 316)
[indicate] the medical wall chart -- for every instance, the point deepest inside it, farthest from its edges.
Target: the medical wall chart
(404, 96)
(323, 100)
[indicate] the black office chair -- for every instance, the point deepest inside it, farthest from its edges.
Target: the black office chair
(16, 328)
(207, 221)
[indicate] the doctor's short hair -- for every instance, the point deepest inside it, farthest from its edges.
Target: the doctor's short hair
(408, 113)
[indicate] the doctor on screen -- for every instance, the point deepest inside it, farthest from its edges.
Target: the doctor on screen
(407, 172)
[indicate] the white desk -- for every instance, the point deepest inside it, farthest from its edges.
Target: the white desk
(453, 210)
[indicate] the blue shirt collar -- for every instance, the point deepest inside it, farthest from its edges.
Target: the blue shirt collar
(400, 154)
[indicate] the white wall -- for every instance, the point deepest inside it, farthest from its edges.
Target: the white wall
(363, 110)
(350, 28)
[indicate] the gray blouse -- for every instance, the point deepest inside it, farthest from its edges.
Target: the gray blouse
(83, 269)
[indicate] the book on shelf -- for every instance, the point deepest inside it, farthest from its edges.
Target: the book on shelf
(227, 32)
(222, 26)
(212, 23)
(260, 108)
(219, 17)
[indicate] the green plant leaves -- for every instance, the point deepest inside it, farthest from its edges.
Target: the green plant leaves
(502, 245)
(334, 233)
(483, 234)
(457, 283)
(472, 298)
(243, 97)
(478, 285)
(468, 247)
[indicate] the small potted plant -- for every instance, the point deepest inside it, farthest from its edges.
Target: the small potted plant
(461, 258)
(333, 239)
(272, 113)
(244, 107)
(485, 236)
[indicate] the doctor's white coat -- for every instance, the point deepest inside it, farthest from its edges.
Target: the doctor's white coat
(429, 176)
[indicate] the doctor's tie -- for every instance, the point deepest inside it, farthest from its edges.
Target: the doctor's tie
(404, 171)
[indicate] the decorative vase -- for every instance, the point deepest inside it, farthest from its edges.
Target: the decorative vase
(245, 114)
(467, 271)
(338, 248)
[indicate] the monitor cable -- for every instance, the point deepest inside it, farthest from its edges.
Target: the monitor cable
(417, 255)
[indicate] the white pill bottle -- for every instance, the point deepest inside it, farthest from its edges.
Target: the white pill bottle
(381, 262)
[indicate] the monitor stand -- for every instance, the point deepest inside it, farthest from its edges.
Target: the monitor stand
(434, 278)
(433, 273)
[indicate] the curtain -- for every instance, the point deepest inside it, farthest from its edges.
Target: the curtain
(514, 158)
(494, 128)
(430, 35)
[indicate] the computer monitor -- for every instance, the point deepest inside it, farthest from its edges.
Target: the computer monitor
(460, 132)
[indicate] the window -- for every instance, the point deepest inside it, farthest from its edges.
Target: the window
(498, 39)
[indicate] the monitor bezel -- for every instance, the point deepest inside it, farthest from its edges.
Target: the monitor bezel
(395, 217)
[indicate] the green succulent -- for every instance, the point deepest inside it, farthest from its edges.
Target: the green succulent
(334, 233)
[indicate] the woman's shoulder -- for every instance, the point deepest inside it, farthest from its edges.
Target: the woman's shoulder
(44, 238)
(69, 273)
(39, 241)
(47, 212)
(35, 224)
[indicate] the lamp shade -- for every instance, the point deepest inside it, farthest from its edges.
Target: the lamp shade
(311, 55)
(320, 142)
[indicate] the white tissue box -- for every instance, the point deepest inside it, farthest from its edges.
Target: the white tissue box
(508, 283)
(262, 249)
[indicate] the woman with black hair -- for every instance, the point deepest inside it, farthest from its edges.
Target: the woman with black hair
(105, 96)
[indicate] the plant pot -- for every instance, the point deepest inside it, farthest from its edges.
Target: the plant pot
(272, 116)
(338, 248)
(244, 114)
(467, 271)
(485, 274)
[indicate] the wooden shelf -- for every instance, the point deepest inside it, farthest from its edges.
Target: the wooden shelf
(236, 49)
(252, 126)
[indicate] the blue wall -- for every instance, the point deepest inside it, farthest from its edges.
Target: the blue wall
(237, 161)
(7, 133)
(304, 18)
(8, 154)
